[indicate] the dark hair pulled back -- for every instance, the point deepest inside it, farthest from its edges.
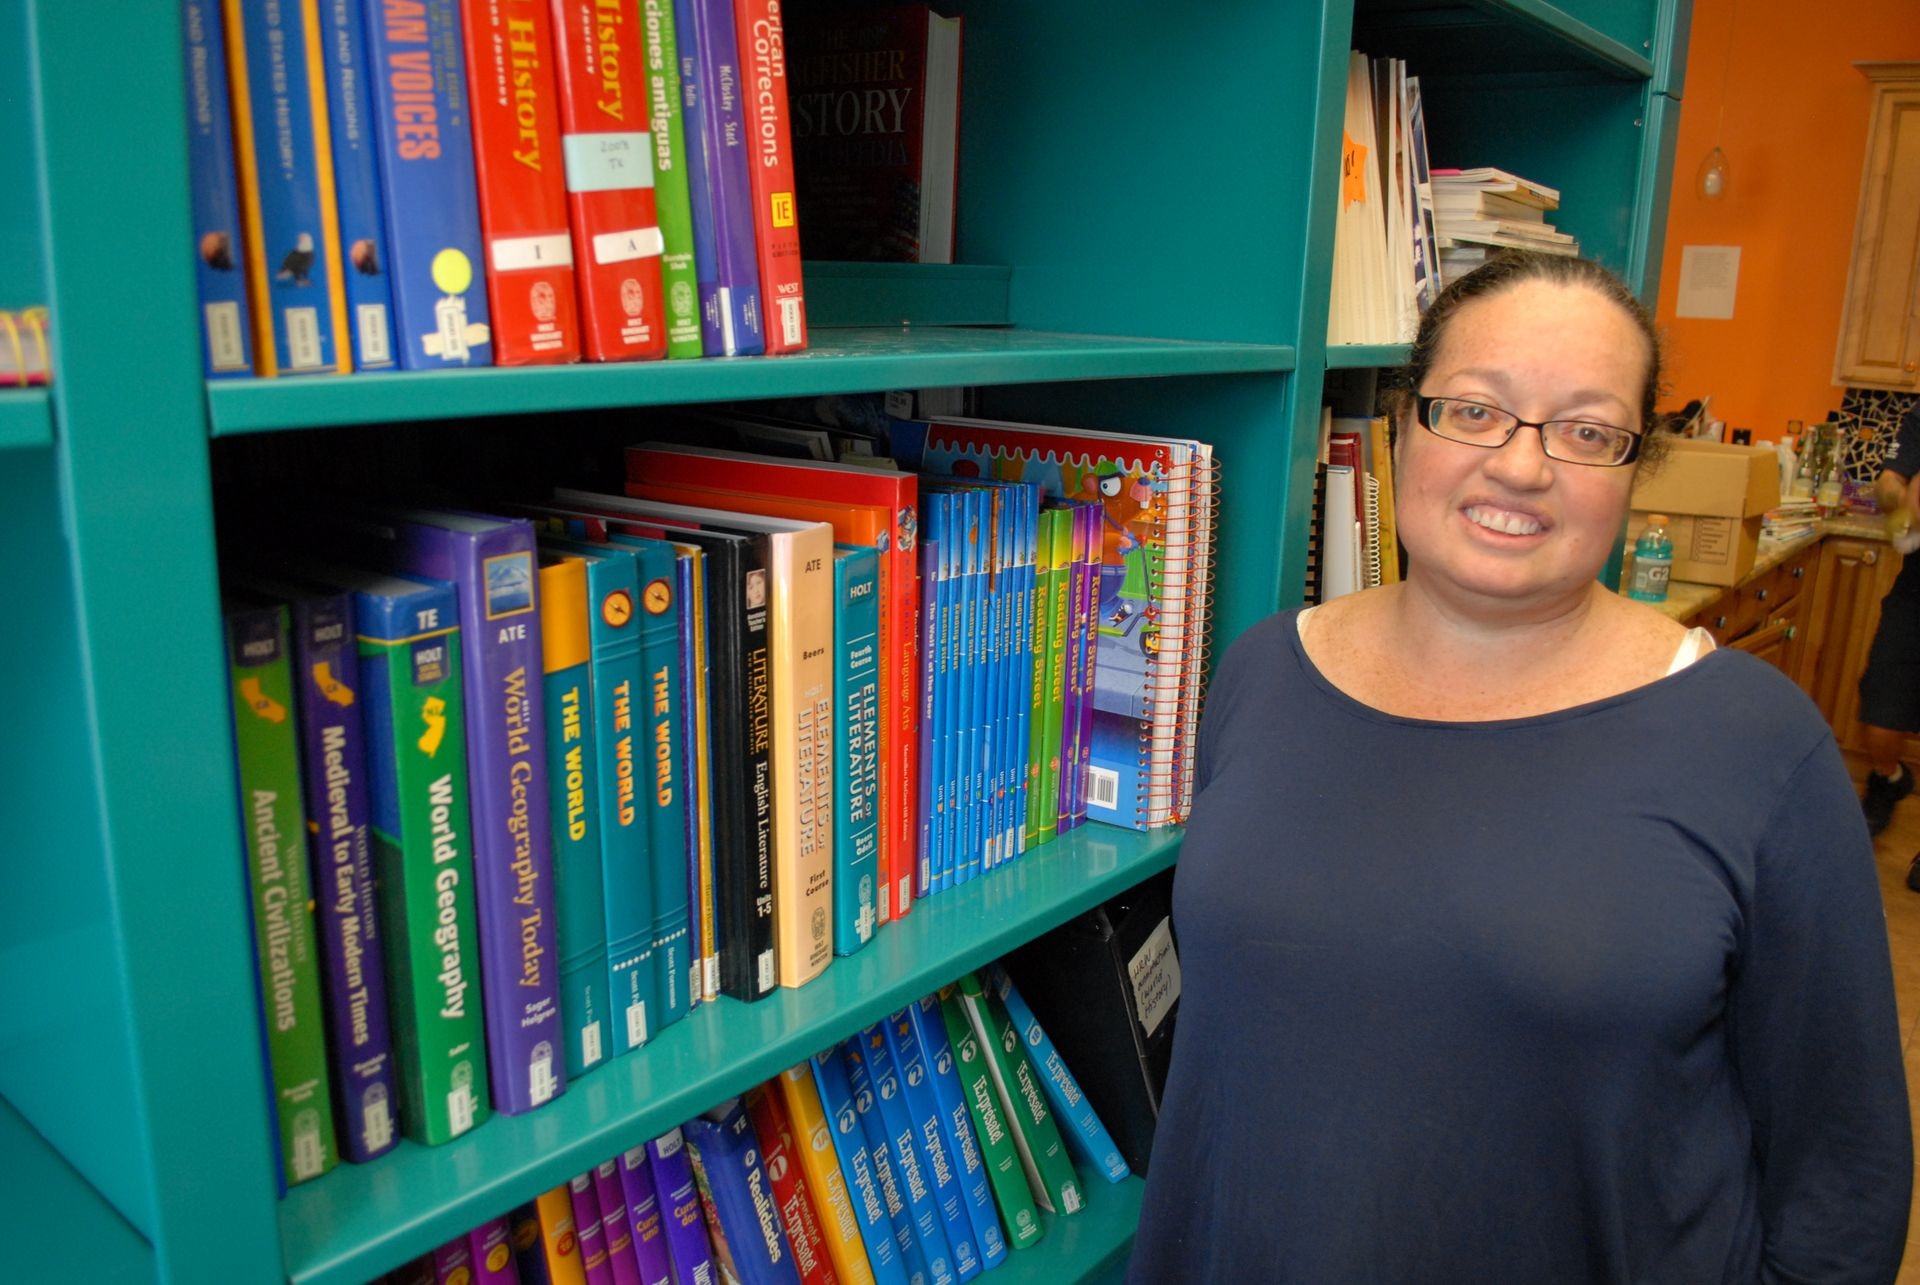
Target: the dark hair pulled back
(1503, 272)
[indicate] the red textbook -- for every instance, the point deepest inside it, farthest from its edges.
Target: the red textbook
(894, 495)
(601, 69)
(776, 219)
(876, 133)
(522, 181)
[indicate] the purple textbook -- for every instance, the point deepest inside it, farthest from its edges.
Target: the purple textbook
(491, 561)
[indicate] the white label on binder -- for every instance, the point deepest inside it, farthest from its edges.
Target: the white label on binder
(637, 1024)
(303, 338)
(225, 347)
(1154, 971)
(590, 1044)
(608, 162)
(634, 243)
(513, 253)
(1103, 787)
(376, 344)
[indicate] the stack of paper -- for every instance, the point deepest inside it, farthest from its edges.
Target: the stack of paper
(1480, 212)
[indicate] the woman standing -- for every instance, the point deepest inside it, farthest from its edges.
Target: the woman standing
(1521, 940)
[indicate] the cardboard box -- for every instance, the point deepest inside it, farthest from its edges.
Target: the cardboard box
(1714, 495)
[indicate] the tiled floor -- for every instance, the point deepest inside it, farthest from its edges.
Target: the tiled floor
(1895, 850)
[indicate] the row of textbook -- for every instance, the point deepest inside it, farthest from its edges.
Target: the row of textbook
(554, 774)
(451, 183)
(1405, 229)
(920, 1151)
(1354, 544)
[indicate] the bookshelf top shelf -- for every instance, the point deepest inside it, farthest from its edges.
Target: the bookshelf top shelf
(1479, 37)
(26, 418)
(841, 361)
(361, 1220)
(1366, 356)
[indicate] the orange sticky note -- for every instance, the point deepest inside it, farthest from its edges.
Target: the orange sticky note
(1353, 178)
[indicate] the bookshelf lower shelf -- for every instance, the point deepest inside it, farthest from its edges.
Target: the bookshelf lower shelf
(361, 1220)
(26, 418)
(855, 359)
(1366, 356)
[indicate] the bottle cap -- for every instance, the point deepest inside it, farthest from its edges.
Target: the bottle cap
(1656, 519)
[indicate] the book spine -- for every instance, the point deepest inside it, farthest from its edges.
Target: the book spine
(661, 607)
(616, 1228)
(678, 277)
(856, 737)
(560, 1237)
(928, 688)
(693, 111)
(453, 1262)
(776, 222)
(498, 591)
(998, 1154)
(735, 310)
(930, 1142)
(956, 1128)
(356, 176)
(529, 1250)
(952, 615)
(803, 720)
(267, 750)
(858, 1125)
(424, 135)
(791, 1194)
(411, 679)
(579, 891)
(1073, 692)
(847, 1227)
(699, 751)
(292, 242)
(724, 1150)
(679, 1196)
(874, 1060)
(1020, 681)
(1059, 662)
(589, 1230)
(220, 259)
(334, 764)
(1036, 1135)
(491, 1250)
(746, 894)
(645, 1222)
(521, 189)
(1040, 644)
(1085, 1135)
(1088, 653)
(980, 666)
(608, 144)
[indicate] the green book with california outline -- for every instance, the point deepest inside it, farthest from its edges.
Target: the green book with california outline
(266, 749)
(410, 675)
(672, 201)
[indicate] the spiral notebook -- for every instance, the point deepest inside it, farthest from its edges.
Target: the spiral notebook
(1158, 498)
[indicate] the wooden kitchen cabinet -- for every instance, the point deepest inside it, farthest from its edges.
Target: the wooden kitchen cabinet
(1853, 576)
(1879, 343)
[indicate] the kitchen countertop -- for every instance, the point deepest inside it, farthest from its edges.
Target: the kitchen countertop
(1685, 597)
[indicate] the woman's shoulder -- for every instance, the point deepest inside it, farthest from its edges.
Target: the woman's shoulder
(1737, 706)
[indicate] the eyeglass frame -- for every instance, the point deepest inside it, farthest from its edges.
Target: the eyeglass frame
(1423, 411)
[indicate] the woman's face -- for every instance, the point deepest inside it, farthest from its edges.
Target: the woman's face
(1511, 523)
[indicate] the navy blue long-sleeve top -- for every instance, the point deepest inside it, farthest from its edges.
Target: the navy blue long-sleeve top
(1596, 995)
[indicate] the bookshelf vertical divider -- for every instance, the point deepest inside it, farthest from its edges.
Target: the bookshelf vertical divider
(1146, 225)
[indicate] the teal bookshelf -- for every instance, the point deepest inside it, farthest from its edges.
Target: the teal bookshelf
(1156, 269)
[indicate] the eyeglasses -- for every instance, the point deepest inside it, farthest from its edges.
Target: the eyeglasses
(1577, 441)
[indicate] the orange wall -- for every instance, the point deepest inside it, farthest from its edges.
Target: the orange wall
(1795, 136)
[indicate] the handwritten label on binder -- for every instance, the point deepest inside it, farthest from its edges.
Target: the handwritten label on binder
(1155, 973)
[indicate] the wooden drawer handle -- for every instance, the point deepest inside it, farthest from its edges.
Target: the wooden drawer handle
(1798, 572)
(1760, 595)
(1719, 622)
(1870, 557)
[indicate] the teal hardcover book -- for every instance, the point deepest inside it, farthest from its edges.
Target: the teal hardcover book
(856, 745)
(579, 890)
(613, 594)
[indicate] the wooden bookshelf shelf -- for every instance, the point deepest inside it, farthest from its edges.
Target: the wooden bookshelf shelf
(70, 1229)
(1366, 356)
(361, 1220)
(26, 418)
(841, 361)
